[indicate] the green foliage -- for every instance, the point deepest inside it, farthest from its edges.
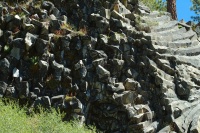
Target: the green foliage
(196, 8)
(14, 119)
(158, 5)
(34, 59)
(7, 48)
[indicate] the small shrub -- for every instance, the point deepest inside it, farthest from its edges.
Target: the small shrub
(158, 5)
(59, 32)
(7, 48)
(14, 119)
(67, 26)
(82, 31)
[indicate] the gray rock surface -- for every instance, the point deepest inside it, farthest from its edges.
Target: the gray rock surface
(114, 64)
(3, 87)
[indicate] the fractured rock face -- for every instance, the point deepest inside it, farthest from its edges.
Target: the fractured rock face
(3, 87)
(102, 72)
(175, 77)
(131, 84)
(94, 61)
(4, 65)
(30, 40)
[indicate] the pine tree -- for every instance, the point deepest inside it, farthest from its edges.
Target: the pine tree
(196, 8)
(171, 8)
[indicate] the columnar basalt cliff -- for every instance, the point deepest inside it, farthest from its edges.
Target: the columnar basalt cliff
(114, 64)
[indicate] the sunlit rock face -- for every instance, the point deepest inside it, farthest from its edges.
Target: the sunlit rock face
(114, 64)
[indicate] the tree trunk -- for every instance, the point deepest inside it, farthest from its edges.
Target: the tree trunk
(171, 8)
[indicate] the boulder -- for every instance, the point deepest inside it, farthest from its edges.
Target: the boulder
(30, 40)
(58, 69)
(131, 84)
(23, 89)
(96, 54)
(10, 92)
(57, 99)
(41, 46)
(15, 73)
(102, 72)
(46, 101)
(4, 65)
(117, 87)
(3, 87)
(126, 97)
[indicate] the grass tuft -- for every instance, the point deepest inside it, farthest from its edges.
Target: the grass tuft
(14, 119)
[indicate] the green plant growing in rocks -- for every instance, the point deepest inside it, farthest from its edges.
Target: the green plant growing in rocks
(56, 37)
(138, 20)
(7, 48)
(34, 59)
(38, 4)
(20, 13)
(121, 35)
(180, 26)
(14, 119)
(151, 23)
(82, 31)
(142, 24)
(158, 5)
(66, 25)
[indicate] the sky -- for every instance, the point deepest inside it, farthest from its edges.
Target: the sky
(183, 10)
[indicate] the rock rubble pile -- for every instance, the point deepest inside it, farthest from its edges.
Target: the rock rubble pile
(114, 64)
